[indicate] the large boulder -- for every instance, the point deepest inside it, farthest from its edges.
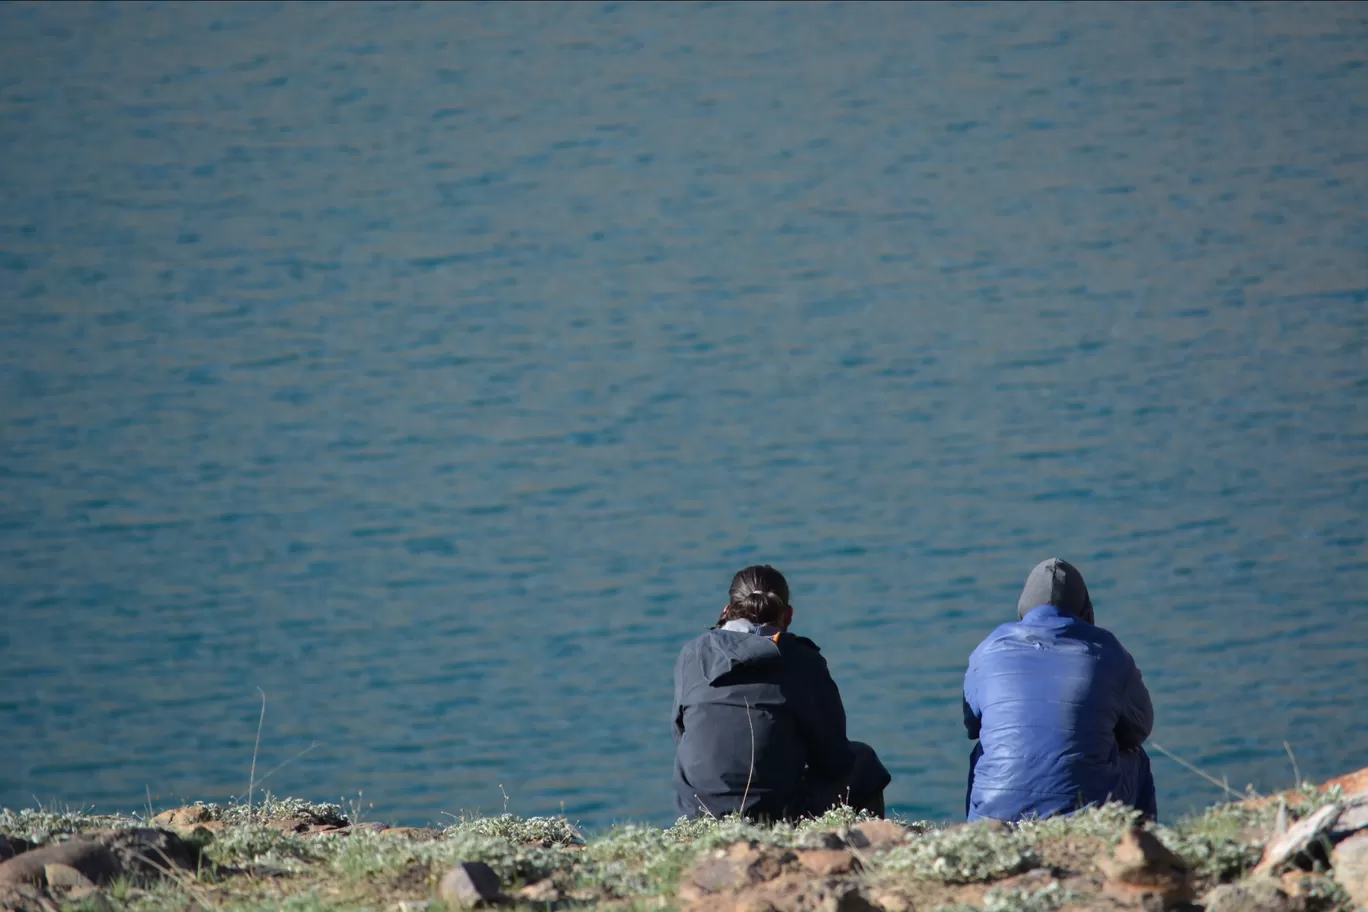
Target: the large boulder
(100, 857)
(1350, 861)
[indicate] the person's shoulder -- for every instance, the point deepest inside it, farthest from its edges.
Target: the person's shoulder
(1109, 641)
(694, 644)
(999, 633)
(799, 649)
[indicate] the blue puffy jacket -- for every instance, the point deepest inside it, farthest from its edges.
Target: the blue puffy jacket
(1060, 712)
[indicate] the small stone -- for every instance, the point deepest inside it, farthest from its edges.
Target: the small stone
(183, 817)
(829, 862)
(877, 835)
(469, 884)
(1298, 838)
(542, 892)
(1142, 868)
(60, 875)
(1350, 867)
(892, 902)
(1258, 894)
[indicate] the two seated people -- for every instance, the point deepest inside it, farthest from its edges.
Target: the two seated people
(1055, 702)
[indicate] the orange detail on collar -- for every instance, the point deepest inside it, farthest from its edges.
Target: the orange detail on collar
(776, 637)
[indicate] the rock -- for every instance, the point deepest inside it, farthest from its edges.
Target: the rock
(90, 857)
(1258, 894)
(60, 875)
(1352, 784)
(101, 856)
(877, 835)
(183, 818)
(829, 862)
(1142, 868)
(892, 902)
(543, 892)
(470, 884)
(11, 846)
(1352, 819)
(739, 865)
(147, 852)
(1298, 838)
(1350, 863)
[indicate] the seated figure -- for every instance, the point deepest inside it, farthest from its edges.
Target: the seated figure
(759, 726)
(1058, 707)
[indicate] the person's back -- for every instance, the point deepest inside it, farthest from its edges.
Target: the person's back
(1059, 709)
(759, 725)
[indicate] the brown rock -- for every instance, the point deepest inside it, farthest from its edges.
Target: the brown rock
(829, 862)
(1352, 784)
(148, 852)
(90, 857)
(1258, 894)
(183, 817)
(60, 875)
(877, 835)
(470, 884)
(1298, 838)
(543, 892)
(1350, 861)
(1142, 868)
(892, 902)
(737, 866)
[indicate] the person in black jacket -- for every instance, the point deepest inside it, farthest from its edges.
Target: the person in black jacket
(759, 726)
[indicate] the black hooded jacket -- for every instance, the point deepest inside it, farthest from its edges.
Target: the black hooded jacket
(757, 722)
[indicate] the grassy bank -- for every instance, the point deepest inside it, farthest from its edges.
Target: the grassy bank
(296, 855)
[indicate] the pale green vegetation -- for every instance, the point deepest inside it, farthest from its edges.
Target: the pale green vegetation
(249, 865)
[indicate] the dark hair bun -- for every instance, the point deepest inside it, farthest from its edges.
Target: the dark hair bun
(760, 594)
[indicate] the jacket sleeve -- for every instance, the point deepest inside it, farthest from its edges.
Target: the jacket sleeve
(1137, 712)
(822, 720)
(973, 713)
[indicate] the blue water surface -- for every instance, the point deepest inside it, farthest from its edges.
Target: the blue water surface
(432, 367)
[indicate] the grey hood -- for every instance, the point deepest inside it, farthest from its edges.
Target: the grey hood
(1056, 582)
(736, 644)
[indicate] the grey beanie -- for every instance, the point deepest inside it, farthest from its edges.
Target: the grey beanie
(1056, 582)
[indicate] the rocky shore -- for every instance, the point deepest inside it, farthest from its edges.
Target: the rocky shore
(1304, 850)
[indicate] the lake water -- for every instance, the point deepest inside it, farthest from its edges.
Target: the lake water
(433, 367)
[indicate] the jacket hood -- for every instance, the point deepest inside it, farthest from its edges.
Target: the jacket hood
(1056, 582)
(721, 651)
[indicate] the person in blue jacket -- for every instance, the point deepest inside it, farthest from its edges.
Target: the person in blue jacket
(759, 726)
(1058, 707)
